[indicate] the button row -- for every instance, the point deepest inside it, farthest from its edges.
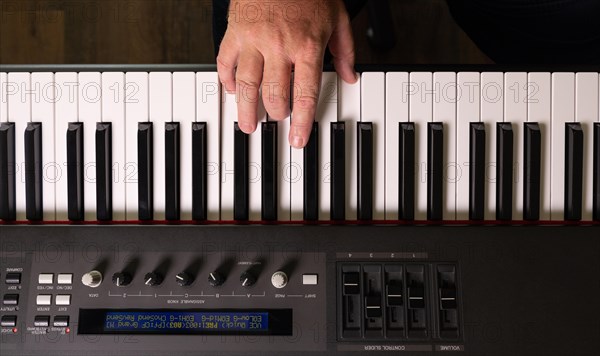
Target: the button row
(44, 321)
(60, 299)
(62, 278)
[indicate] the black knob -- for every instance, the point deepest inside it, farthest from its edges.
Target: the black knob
(215, 279)
(121, 279)
(184, 279)
(247, 279)
(152, 279)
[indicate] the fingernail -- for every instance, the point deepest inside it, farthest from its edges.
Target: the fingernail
(297, 142)
(245, 127)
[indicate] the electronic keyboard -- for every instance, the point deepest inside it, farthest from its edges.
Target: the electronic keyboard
(433, 210)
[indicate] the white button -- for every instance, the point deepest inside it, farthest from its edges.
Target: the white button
(309, 279)
(46, 278)
(44, 299)
(64, 278)
(64, 299)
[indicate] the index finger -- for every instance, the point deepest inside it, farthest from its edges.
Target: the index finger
(307, 85)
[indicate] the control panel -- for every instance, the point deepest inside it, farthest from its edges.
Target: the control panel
(294, 290)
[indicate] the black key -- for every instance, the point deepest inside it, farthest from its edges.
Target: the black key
(269, 171)
(311, 176)
(199, 172)
(33, 172)
(338, 171)
(477, 171)
(240, 175)
(172, 172)
(406, 173)
(75, 171)
(596, 173)
(504, 170)
(145, 172)
(532, 171)
(365, 171)
(435, 171)
(8, 197)
(573, 171)
(104, 171)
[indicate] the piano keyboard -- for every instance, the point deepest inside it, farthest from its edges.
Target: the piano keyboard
(118, 145)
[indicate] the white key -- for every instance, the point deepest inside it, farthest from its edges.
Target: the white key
(444, 111)
(42, 110)
(113, 111)
(373, 111)
(538, 110)
(492, 112)
(296, 179)
(90, 113)
(19, 111)
(326, 114)
(66, 111)
(515, 112)
(228, 119)
(208, 106)
(285, 171)
(586, 113)
(184, 112)
(396, 111)
(3, 98)
(136, 111)
(563, 111)
(421, 113)
(254, 167)
(467, 111)
(161, 111)
(349, 113)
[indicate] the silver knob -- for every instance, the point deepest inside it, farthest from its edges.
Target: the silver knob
(279, 279)
(92, 279)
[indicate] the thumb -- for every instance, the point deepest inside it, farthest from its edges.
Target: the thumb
(341, 45)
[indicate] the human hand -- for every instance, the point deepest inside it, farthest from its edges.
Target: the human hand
(265, 40)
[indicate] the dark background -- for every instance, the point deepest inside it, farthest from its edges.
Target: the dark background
(180, 31)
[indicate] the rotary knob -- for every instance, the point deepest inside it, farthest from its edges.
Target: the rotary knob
(215, 279)
(279, 279)
(152, 279)
(92, 279)
(247, 279)
(121, 279)
(184, 279)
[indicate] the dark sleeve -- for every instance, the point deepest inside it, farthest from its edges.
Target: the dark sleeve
(220, 9)
(532, 31)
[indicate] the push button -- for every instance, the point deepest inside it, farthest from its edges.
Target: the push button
(46, 278)
(41, 321)
(63, 299)
(43, 299)
(310, 279)
(11, 299)
(61, 321)
(64, 278)
(8, 321)
(13, 278)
